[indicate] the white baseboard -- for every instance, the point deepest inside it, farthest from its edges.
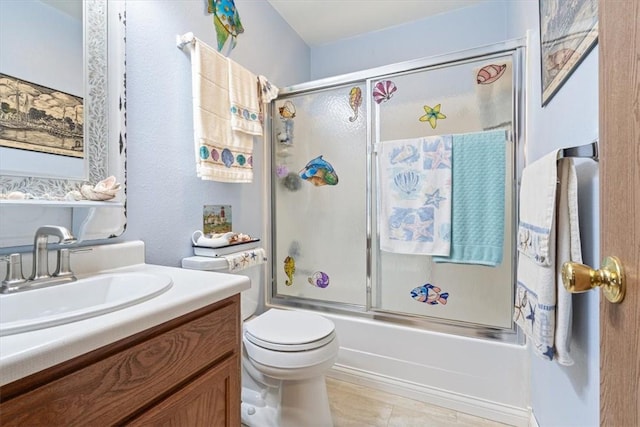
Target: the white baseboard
(532, 421)
(510, 415)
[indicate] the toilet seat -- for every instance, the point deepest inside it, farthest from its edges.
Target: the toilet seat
(289, 331)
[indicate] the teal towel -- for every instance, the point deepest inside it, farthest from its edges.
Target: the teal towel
(477, 209)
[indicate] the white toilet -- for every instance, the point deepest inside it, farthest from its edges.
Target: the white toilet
(285, 356)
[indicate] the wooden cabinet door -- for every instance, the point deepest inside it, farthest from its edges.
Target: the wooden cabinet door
(212, 399)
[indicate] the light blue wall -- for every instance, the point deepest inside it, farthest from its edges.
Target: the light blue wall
(475, 26)
(567, 396)
(164, 196)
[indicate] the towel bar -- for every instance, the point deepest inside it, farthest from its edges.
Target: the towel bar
(588, 151)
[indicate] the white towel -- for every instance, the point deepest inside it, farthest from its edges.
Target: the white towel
(415, 195)
(240, 260)
(548, 236)
(219, 156)
(244, 101)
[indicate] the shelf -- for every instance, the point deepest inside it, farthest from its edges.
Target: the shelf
(62, 203)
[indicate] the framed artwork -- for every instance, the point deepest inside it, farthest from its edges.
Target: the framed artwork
(38, 118)
(568, 31)
(216, 219)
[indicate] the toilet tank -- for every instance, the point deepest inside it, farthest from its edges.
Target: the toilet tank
(249, 298)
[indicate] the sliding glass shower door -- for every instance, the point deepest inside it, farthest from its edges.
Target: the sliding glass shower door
(319, 195)
(338, 152)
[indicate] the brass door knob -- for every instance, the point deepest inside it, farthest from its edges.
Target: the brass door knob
(578, 278)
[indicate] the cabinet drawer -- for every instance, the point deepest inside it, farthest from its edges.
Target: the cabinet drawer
(210, 400)
(122, 384)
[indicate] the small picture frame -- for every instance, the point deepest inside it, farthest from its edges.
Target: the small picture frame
(216, 219)
(568, 32)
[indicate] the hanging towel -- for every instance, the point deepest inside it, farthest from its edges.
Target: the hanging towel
(244, 101)
(219, 156)
(268, 91)
(415, 195)
(477, 212)
(240, 260)
(548, 236)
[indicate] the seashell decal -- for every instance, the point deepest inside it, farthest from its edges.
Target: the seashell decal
(383, 91)
(215, 155)
(319, 279)
(241, 159)
(490, 73)
(288, 110)
(407, 181)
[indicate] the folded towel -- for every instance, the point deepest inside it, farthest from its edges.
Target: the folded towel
(548, 236)
(244, 101)
(219, 156)
(415, 195)
(477, 214)
(240, 260)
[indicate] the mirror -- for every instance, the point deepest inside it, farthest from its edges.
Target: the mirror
(29, 198)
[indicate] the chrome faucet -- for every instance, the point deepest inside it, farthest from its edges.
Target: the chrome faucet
(40, 276)
(40, 251)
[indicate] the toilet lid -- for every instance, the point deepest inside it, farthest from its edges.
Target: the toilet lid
(285, 330)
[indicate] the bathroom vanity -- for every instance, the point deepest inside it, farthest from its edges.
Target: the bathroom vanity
(173, 359)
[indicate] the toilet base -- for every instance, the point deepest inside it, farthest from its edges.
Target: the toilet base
(302, 403)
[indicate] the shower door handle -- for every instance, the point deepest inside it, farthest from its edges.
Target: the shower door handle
(578, 278)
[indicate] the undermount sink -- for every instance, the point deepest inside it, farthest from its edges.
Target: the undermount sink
(84, 298)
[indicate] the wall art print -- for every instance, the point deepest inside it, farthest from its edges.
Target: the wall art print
(568, 32)
(41, 119)
(216, 219)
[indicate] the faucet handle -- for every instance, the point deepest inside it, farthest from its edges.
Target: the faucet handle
(14, 270)
(63, 268)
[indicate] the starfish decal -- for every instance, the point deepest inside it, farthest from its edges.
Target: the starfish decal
(532, 316)
(432, 116)
(434, 199)
(549, 353)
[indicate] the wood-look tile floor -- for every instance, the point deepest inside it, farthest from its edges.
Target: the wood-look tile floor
(354, 405)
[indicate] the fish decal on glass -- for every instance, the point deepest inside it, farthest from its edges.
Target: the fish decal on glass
(355, 101)
(289, 270)
(319, 279)
(226, 21)
(432, 115)
(319, 172)
(429, 294)
(490, 73)
(383, 91)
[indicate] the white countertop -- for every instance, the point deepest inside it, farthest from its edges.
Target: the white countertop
(29, 352)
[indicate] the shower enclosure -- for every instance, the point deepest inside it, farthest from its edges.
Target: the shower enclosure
(329, 211)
